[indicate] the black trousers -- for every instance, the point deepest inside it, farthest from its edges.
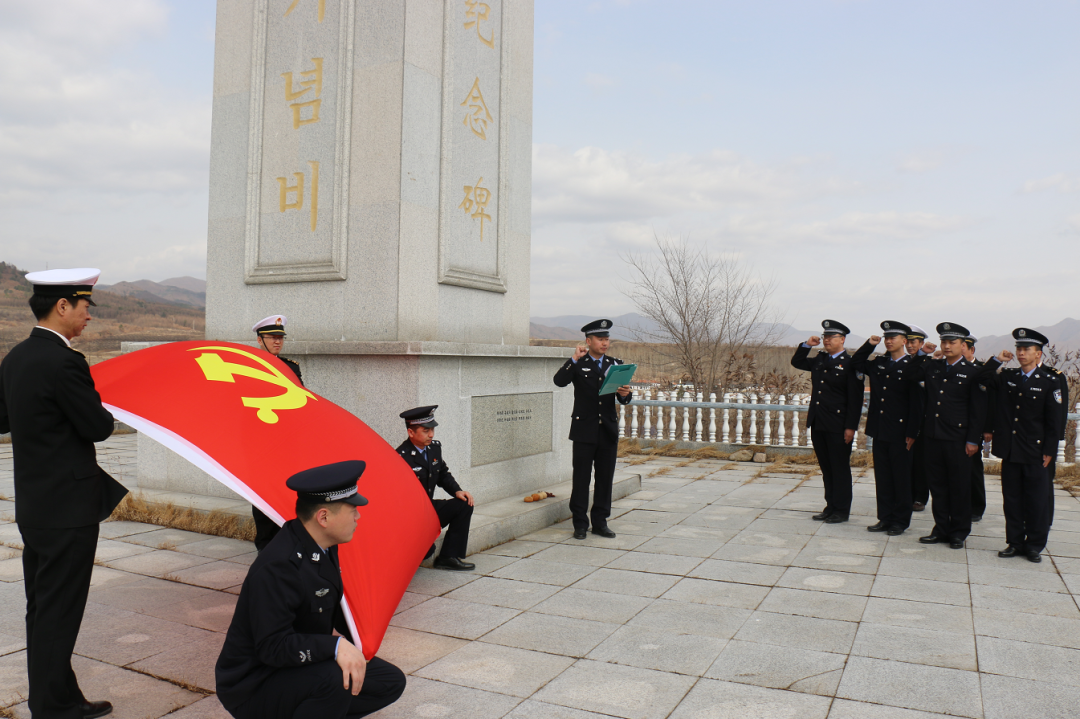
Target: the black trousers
(834, 459)
(948, 471)
(978, 485)
(892, 477)
(920, 488)
(1023, 491)
(57, 564)
(317, 691)
(600, 455)
(456, 515)
(265, 528)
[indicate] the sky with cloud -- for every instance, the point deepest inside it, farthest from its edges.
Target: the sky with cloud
(915, 161)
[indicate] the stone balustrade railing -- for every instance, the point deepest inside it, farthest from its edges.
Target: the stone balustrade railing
(739, 418)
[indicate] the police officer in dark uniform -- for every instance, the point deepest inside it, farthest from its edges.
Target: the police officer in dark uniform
(835, 408)
(952, 427)
(978, 475)
(895, 410)
(1051, 470)
(424, 454)
(594, 429)
(1026, 435)
(920, 490)
(270, 334)
(54, 414)
(288, 653)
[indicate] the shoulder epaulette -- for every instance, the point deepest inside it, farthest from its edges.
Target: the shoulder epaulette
(435, 441)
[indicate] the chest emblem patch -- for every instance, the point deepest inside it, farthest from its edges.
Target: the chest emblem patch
(322, 592)
(1057, 396)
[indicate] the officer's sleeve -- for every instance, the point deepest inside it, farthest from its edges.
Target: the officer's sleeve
(859, 359)
(565, 374)
(1063, 386)
(1051, 423)
(80, 401)
(854, 399)
(5, 422)
(801, 358)
(977, 403)
(275, 603)
(446, 480)
(916, 407)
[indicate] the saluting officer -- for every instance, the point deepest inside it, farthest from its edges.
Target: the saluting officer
(288, 652)
(594, 429)
(952, 427)
(835, 408)
(424, 454)
(920, 489)
(1026, 435)
(49, 404)
(270, 334)
(894, 413)
(978, 475)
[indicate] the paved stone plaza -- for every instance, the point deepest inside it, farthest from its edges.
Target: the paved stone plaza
(719, 598)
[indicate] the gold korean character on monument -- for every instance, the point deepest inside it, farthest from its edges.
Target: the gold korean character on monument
(297, 189)
(312, 82)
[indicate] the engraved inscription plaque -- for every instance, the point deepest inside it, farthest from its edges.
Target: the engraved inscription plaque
(507, 426)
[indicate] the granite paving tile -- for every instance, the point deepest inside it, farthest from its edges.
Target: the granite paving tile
(642, 561)
(681, 547)
(706, 620)
(912, 686)
(536, 570)
(916, 646)
(612, 689)
(1024, 600)
(1038, 662)
(504, 592)
(619, 581)
(578, 554)
(790, 630)
(708, 591)
(847, 709)
(824, 605)
(778, 556)
(919, 615)
(923, 569)
(551, 633)
(436, 582)
(640, 646)
(505, 670)
(1037, 628)
(712, 699)
(1010, 697)
(816, 579)
(767, 665)
(425, 698)
(453, 618)
(922, 590)
(742, 572)
(597, 606)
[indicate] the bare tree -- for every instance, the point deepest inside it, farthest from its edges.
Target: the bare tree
(711, 310)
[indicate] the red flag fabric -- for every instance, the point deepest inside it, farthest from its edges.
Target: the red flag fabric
(239, 414)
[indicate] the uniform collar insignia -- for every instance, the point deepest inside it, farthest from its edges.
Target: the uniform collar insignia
(315, 556)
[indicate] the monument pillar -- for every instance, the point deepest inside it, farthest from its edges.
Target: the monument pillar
(370, 179)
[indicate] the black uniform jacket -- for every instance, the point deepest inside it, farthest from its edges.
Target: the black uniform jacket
(289, 605)
(1063, 386)
(432, 472)
(49, 404)
(836, 394)
(896, 400)
(592, 412)
(956, 399)
(294, 367)
(1028, 414)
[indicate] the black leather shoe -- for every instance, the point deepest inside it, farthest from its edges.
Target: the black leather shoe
(956, 544)
(918, 507)
(1034, 557)
(90, 710)
(453, 564)
(822, 515)
(930, 539)
(836, 519)
(603, 532)
(1009, 551)
(895, 531)
(580, 533)
(879, 527)
(976, 518)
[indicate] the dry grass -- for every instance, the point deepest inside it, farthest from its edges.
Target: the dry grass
(12, 544)
(6, 439)
(661, 471)
(8, 712)
(135, 508)
(167, 546)
(862, 459)
(6, 498)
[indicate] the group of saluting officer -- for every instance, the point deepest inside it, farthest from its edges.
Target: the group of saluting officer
(929, 413)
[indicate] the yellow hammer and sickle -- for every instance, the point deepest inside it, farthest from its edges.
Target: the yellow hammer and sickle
(218, 370)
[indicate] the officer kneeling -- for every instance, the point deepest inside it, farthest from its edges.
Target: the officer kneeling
(287, 652)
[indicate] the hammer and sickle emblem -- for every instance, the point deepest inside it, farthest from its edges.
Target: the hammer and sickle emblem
(218, 370)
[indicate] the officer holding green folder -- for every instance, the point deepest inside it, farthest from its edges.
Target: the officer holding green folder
(594, 429)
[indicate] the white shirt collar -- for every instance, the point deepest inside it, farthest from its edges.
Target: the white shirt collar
(66, 340)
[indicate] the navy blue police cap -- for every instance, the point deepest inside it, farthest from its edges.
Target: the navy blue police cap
(952, 331)
(329, 483)
(420, 416)
(1026, 337)
(892, 327)
(597, 328)
(916, 333)
(832, 327)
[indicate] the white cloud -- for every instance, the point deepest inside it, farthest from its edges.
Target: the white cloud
(858, 227)
(1060, 182)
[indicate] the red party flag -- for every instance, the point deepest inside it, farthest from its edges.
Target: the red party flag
(240, 416)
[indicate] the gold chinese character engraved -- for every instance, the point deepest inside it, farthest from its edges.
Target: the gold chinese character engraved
(475, 202)
(285, 189)
(477, 16)
(312, 81)
(478, 119)
(322, 9)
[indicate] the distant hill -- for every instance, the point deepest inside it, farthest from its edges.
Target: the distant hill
(150, 291)
(1065, 336)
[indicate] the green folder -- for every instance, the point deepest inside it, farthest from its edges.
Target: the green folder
(617, 376)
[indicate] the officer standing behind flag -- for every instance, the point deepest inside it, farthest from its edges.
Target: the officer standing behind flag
(978, 475)
(594, 429)
(424, 454)
(835, 408)
(270, 334)
(894, 414)
(49, 404)
(1025, 439)
(920, 490)
(952, 431)
(288, 653)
